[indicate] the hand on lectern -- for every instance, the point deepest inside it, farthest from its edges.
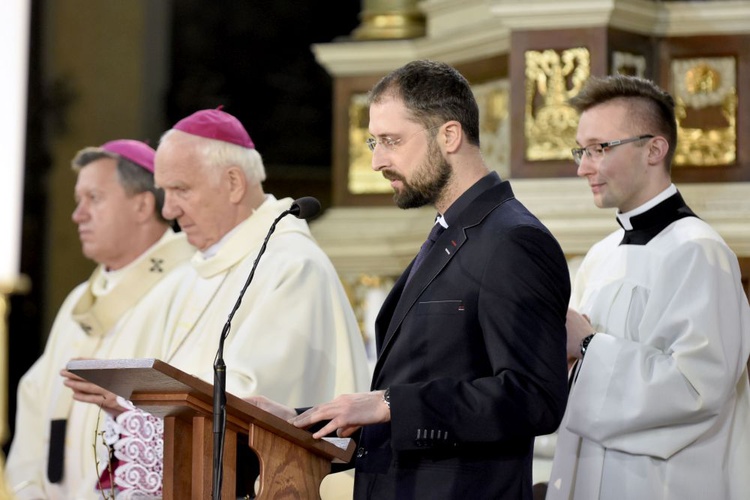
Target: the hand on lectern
(346, 414)
(88, 392)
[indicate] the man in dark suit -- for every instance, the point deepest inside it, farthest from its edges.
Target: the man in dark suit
(471, 340)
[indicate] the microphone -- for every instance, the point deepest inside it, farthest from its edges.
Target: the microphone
(305, 207)
(302, 208)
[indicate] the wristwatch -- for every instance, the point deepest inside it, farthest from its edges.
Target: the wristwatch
(585, 343)
(387, 398)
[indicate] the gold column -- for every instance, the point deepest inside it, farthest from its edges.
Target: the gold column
(6, 290)
(390, 20)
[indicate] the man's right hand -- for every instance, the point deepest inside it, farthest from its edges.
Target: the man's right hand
(345, 414)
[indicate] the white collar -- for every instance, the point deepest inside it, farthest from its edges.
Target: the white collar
(624, 218)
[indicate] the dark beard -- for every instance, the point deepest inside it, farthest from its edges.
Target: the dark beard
(428, 183)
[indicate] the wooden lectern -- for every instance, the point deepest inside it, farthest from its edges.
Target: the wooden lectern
(292, 463)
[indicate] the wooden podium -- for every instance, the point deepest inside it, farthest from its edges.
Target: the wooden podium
(292, 463)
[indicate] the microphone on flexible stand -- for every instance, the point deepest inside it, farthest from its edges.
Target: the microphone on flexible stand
(302, 208)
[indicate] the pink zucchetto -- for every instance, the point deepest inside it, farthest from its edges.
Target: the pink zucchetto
(216, 124)
(138, 152)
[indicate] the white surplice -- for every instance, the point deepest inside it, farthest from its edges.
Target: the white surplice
(660, 408)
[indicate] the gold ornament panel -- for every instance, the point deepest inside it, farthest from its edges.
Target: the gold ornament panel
(493, 98)
(362, 179)
(553, 77)
(705, 91)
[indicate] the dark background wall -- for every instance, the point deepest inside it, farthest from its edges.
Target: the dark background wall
(254, 58)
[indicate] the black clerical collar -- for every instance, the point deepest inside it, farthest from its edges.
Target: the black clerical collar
(653, 221)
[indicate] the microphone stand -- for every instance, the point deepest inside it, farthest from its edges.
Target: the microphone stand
(220, 373)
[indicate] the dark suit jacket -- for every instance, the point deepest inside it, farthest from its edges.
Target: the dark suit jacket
(473, 350)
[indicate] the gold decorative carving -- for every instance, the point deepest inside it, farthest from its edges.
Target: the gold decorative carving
(702, 79)
(552, 78)
(366, 293)
(626, 63)
(494, 126)
(706, 110)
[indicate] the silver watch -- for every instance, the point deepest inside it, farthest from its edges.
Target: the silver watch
(585, 343)
(387, 398)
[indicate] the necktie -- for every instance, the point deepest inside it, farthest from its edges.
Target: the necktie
(437, 230)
